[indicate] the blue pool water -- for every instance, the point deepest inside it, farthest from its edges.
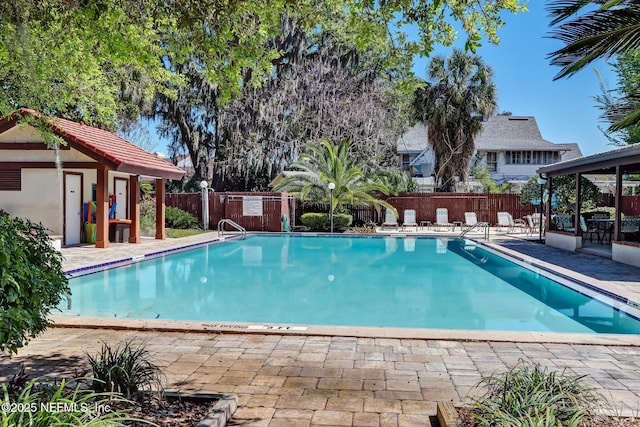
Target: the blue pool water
(351, 281)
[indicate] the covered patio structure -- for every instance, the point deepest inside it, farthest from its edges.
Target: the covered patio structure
(621, 163)
(56, 185)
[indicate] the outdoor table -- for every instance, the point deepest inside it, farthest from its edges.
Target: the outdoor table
(425, 223)
(604, 225)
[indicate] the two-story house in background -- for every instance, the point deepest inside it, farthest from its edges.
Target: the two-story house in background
(511, 147)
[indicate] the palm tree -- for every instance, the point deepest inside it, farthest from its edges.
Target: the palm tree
(328, 163)
(610, 29)
(460, 95)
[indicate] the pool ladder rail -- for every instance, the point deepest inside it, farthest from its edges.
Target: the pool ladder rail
(477, 225)
(241, 229)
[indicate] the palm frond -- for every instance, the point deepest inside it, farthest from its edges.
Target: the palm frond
(597, 34)
(633, 119)
(564, 9)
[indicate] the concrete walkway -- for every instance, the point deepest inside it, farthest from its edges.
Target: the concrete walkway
(297, 380)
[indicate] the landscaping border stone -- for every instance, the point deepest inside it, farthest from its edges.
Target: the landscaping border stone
(221, 413)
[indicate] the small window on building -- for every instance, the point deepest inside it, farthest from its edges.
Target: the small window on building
(492, 161)
(531, 157)
(406, 160)
(11, 180)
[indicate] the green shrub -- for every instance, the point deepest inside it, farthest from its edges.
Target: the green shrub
(177, 218)
(147, 217)
(124, 369)
(43, 406)
(534, 396)
(31, 280)
(322, 221)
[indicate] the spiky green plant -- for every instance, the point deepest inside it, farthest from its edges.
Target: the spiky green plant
(533, 396)
(61, 405)
(124, 369)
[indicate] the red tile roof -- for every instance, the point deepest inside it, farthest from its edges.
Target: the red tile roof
(114, 152)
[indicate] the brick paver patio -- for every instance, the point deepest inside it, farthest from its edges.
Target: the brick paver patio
(312, 381)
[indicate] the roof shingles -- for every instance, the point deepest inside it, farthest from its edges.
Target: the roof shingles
(499, 133)
(105, 147)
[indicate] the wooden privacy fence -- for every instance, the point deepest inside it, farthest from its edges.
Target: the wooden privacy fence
(263, 211)
(630, 205)
(253, 211)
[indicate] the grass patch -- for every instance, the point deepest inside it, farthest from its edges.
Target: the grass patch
(177, 233)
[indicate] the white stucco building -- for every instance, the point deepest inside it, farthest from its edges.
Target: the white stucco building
(94, 167)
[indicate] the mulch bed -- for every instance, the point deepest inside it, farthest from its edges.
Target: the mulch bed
(170, 411)
(465, 420)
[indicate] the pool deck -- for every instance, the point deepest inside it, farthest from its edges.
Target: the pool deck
(350, 376)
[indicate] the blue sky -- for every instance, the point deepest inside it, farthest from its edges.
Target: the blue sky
(564, 109)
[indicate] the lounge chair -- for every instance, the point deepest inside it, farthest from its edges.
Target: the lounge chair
(409, 219)
(442, 218)
(506, 220)
(537, 221)
(470, 219)
(390, 219)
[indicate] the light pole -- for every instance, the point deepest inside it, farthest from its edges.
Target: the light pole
(205, 205)
(332, 186)
(542, 181)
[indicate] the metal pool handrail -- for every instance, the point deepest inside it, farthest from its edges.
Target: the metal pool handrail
(232, 223)
(477, 225)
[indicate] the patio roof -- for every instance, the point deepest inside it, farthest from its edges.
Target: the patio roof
(108, 149)
(628, 158)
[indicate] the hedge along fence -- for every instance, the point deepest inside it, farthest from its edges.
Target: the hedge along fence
(234, 206)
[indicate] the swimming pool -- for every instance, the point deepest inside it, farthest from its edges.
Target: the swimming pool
(404, 282)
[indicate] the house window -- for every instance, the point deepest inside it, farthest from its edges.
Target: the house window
(532, 157)
(11, 180)
(492, 161)
(405, 161)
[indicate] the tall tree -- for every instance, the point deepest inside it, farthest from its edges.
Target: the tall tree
(453, 104)
(100, 61)
(564, 193)
(607, 28)
(326, 89)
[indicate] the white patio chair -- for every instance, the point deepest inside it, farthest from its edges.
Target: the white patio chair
(442, 218)
(505, 220)
(409, 219)
(470, 219)
(390, 219)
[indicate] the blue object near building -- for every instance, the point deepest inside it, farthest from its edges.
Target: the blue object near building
(285, 224)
